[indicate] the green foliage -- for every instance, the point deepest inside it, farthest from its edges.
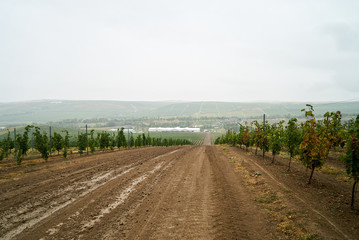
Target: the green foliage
(66, 143)
(92, 141)
(315, 144)
(22, 140)
(19, 157)
(263, 138)
(6, 145)
(112, 142)
(120, 138)
(352, 151)
(64, 154)
(57, 142)
(81, 142)
(292, 139)
(275, 138)
(42, 143)
(334, 128)
(132, 140)
(245, 137)
(351, 157)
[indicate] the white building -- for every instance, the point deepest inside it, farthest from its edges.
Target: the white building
(125, 130)
(176, 129)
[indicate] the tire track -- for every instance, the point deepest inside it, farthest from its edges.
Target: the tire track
(78, 184)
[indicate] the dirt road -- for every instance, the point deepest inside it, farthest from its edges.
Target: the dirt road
(154, 193)
(190, 192)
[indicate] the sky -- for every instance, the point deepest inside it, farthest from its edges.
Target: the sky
(188, 50)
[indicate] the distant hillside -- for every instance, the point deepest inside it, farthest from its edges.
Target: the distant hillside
(251, 110)
(53, 110)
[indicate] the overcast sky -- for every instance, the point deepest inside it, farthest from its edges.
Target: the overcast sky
(260, 50)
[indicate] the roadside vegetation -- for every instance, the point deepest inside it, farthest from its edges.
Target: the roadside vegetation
(310, 141)
(34, 142)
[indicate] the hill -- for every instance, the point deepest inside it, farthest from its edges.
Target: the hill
(45, 111)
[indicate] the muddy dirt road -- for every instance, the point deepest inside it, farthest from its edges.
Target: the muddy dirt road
(190, 192)
(154, 193)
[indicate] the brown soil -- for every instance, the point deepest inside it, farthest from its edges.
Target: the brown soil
(191, 192)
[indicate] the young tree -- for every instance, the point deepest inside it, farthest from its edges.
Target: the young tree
(66, 143)
(104, 140)
(333, 127)
(131, 140)
(5, 146)
(138, 141)
(245, 138)
(351, 157)
(144, 140)
(92, 141)
(112, 142)
(257, 135)
(42, 143)
(276, 138)
(22, 141)
(120, 138)
(314, 146)
(263, 139)
(149, 140)
(57, 142)
(165, 142)
(292, 139)
(19, 157)
(82, 142)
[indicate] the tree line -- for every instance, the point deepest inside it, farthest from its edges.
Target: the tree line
(46, 144)
(310, 140)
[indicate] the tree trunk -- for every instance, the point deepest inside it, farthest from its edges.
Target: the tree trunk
(290, 159)
(263, 153)
(353, 194)
(256, 150)
(273, 158)
(311, 175)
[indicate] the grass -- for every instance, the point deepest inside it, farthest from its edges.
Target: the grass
(312, 237)
(266, 199)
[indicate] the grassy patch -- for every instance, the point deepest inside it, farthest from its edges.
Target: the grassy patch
(270, 198)
(339, 174)
(312, 237)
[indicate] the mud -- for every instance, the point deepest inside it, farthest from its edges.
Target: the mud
(190, 192)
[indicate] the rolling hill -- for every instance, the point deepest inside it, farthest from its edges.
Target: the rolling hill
(44, 111)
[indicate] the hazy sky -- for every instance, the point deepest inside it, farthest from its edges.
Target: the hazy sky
(304, 50)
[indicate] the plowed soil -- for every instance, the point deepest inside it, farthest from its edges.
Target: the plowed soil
(190, 192)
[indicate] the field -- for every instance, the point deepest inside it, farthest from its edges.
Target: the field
(189, 192)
